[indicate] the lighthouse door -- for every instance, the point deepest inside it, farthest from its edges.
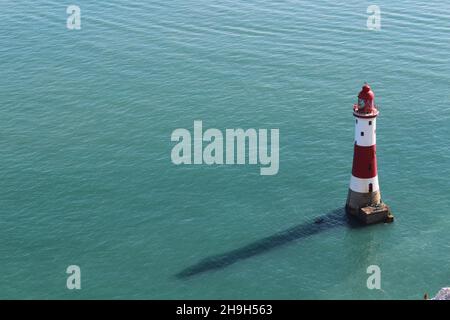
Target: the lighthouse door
(370, 187)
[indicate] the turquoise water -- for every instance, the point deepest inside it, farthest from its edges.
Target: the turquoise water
(87, 179)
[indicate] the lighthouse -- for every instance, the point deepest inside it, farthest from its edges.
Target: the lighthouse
(364, 196)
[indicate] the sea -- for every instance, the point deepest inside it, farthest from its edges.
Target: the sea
(87, 178)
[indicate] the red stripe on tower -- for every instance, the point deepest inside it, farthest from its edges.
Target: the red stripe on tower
(364, 162)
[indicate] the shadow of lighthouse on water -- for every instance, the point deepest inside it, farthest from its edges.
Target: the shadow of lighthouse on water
(334, 219)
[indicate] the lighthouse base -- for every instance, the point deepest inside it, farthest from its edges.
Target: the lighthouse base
(357, 200)
(378, 214)
(368, 208)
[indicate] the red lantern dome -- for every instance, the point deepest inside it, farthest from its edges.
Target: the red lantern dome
(366, 99)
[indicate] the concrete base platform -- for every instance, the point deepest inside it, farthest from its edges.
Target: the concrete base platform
(356, 200)
(380, 213)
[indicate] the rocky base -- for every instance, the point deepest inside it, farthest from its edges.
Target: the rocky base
(380, 213)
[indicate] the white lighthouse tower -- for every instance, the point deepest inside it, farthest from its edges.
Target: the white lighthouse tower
(364, 197)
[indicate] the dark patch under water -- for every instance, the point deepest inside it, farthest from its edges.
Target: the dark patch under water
(333, 219)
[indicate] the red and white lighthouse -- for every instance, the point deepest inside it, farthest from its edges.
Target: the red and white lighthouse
(364, 197)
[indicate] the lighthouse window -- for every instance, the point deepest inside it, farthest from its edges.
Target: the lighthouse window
(370, 166)
(362, 133)
(370, 123)
(356, 120)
